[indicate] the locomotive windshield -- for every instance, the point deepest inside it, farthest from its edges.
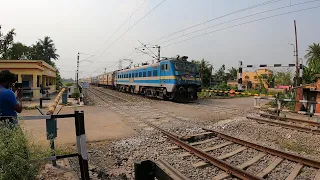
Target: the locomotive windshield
(186, 67)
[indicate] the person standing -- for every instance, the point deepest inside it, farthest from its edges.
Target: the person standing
(10, 105)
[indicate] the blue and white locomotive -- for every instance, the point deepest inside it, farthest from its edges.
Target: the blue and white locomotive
(171, 78)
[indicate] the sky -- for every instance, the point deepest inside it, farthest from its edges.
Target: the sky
(85, 27)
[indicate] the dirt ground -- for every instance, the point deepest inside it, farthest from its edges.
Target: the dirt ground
(101, 124)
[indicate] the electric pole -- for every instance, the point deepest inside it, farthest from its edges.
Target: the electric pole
(297, 57)
(78, 70)
(158, 53)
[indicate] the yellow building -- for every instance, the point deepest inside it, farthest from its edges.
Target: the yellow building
(32, 74)
(253, 77)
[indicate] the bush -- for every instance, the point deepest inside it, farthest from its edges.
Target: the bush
(15, 158)
(75, 95)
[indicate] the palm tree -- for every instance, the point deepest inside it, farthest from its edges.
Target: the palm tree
(313, 57)
(49, 50)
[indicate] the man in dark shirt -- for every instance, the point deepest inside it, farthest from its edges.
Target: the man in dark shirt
(9, 105)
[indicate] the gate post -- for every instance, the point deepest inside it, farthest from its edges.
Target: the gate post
(81, 145)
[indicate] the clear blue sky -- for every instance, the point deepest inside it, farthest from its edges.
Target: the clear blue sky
(84, 26)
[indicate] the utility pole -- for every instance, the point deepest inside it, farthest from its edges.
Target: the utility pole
(158, 53)
(211, 74)
(297, 57)
(78, 70)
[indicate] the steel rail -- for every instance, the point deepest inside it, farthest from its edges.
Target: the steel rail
(290, 126)
(274, 152)
(312, 123)
(242, 174)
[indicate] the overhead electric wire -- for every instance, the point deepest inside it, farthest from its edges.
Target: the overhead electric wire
(148, 48)
(281, 14)
(243, 17)
(121, 26)
(225, 15)
(129, 29)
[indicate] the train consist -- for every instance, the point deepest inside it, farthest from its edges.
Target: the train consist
(170, 78)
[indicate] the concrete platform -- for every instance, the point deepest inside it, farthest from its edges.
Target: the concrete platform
(100, 123)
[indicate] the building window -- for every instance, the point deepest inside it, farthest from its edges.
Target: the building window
(144, 74)
(155, 73)
(149, 74)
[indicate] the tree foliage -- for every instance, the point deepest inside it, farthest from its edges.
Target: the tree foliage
(283, 78)
(6, 42)
(313, 57)
(233, 73)
(205, 70)
(313, 64)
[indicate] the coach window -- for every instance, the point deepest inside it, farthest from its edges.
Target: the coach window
(140, 74)
(149, 74)
(155, 73)
(132, 75)
(137, 75)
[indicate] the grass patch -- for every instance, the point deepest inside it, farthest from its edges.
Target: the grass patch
(20, 157)
(293, 146)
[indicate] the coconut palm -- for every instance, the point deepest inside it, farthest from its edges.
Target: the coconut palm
(313, 57)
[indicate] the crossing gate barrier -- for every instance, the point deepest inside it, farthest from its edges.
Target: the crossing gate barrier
(231, 93)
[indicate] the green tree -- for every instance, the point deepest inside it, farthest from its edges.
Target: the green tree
(204, 69)
(6, 43)
(18, 51)
(313, 57)
(220, 74)
(233, 73)
(283, 78)
(44, 49)
(308, 76)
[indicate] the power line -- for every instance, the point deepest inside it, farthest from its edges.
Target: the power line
(121, 26)
(130, 28)
(243, 17)
(225, 15)
(243, 24)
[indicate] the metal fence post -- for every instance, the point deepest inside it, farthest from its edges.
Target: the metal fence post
(81, 145)
(278, 103)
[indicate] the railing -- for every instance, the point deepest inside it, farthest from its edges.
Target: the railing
(279, 102)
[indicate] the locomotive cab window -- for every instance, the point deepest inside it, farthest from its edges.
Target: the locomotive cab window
(149, 73)
(140, 74)
(144, 74)
(167, 67)
(155, 73)
(129, 75)
(137, 75)
(162, 67)
(132, 75)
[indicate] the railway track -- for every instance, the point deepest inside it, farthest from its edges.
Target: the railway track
(238, 170)
(294, 124)
(220, 157)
